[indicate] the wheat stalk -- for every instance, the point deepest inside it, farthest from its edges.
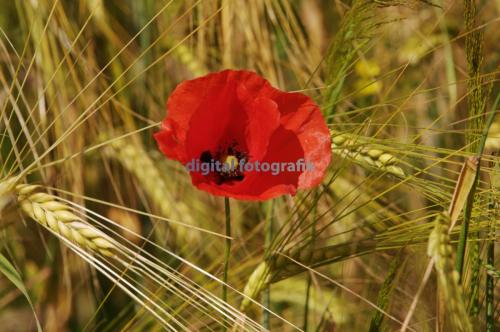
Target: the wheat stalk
(440, 250)
(384, 294)
(366, 154)
(189, 60)
(258, 280)
(283, 265)
(138, 162)
(56, 216)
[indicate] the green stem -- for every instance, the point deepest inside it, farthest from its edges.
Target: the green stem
(464, 231)
(490, 258)
(490, 290)
(306, 305)
(227, 249)
(268, 239)
(309, 279)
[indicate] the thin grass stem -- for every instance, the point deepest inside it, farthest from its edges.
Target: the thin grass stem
(464, 231)
(490, 290)
(309, 277)
(268, 240)
(227, 249)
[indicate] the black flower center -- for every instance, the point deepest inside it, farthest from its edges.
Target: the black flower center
(226, 161)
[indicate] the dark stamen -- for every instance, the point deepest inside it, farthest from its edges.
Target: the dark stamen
(206, 157)
(221, 155)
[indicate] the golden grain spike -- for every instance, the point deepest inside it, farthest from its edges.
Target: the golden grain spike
(258, 280)
(439, 248)
(365, 153)
(137, 161)
(58, 218)
(296, 260)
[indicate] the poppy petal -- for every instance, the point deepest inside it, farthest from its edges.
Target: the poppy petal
(301, 115)
(263, 119)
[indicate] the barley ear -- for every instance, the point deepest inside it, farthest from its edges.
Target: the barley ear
(56, 216)
(290, 262)
(365, 153)
(258, 280)
(137, 161)
(440, 249)
(189, 60)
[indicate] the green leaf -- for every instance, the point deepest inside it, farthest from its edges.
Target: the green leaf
(8, 270)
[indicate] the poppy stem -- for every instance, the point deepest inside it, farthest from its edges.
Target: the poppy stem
(228, 247)
(268, 229)
(309, 278)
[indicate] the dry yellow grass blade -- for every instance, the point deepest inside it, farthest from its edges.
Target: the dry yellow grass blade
(462, 189)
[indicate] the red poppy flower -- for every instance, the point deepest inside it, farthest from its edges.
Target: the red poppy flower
(236, 117)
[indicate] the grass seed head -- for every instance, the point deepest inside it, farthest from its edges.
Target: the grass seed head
(58, 218)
